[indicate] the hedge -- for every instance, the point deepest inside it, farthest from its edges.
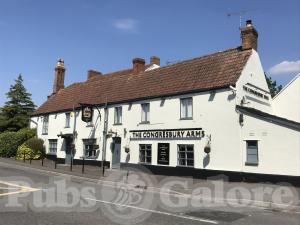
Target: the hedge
(10, 141)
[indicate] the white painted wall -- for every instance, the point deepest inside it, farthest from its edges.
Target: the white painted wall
(253, 73)
(278, 147)
(286, 104)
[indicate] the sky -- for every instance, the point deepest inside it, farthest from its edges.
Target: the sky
(105, 35)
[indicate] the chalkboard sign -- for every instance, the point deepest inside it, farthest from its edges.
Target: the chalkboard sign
(163, 153)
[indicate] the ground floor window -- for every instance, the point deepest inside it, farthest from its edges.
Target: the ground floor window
(252, 152)
(145, 153)
(52, 146)
(89, 147)
(186, 155)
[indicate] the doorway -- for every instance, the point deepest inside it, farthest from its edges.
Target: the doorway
(116, 153)
(68, 150)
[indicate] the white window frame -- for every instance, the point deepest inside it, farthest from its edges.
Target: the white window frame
(145, 113)
(186, 153)
(252, 152)
(52, 146)
(87, 144)
(186, 108)
(68, 120)
(118, 115)
(45, 126)
(145, 148)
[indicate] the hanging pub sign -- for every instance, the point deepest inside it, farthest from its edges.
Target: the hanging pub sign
(168, 134)
(87, 113)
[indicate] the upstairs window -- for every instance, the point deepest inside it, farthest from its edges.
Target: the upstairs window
(118, 115)
(45, 125)
(252, 153)
(145, 113)
(68, 118)
(52, 146)
(186, 108)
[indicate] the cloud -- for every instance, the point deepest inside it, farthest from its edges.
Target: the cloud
(285, 67)
(126, 24)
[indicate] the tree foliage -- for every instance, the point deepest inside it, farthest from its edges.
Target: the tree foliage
(274, 88)
(15, 114)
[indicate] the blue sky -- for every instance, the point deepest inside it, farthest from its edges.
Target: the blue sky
(106, 35)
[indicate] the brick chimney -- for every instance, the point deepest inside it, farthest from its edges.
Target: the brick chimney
(138, 65)
(155, 60)
(59, 79)
(93, 73)
(249, 36)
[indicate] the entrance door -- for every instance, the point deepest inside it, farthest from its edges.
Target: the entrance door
(116, 153)
(68, 149)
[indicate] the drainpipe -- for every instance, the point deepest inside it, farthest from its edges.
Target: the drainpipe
(74, 133)
(104, 137)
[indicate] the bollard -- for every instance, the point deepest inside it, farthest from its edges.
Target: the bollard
(42, 161)
(82, 165)
(71, 165)
(24, 157)
(55, 162)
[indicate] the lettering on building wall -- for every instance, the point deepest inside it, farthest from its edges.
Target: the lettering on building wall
(193, 133)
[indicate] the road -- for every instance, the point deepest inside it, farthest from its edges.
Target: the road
(33, 197)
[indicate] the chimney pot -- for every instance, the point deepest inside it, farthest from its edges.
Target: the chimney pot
(249, 36)
(155, 60)
(138, 65)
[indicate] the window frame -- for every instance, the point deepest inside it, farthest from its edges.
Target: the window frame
(146, 156)
(118, 115)
(147, 114)
(186, 117)
(89, 142)
(186, 157)
(45, 125)
(250, 162)
(50, 146)
(68, 120)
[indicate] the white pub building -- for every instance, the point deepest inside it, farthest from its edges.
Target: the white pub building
(208, 115)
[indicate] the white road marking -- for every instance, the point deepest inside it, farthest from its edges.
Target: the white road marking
(19, 188)
(157, 212)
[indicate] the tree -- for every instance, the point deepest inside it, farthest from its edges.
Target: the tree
(274, 88)
(15, 114)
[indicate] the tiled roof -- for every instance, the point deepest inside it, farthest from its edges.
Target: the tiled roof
(217, 70)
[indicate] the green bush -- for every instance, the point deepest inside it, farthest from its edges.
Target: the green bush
(32, 149)
(10, 141)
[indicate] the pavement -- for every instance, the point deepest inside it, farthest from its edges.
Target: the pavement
(34, 194)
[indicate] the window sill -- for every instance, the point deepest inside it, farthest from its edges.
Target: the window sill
(186, 118)
(90, 125)
(90, 157)
(117, 124)
(67, 127)
(251, 164)
(182, 166)
(145, 122)
(44, 133)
